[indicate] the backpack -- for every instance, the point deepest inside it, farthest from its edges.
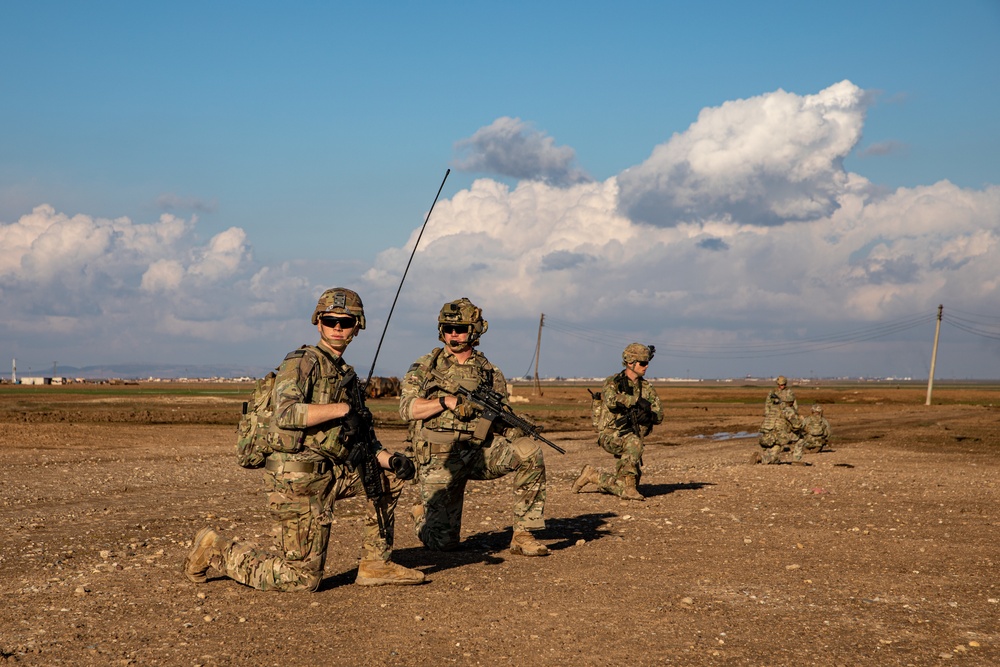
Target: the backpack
(252, 442)
(596, 402)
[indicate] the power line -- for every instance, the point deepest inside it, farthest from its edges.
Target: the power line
(963, 325)
(760, 349)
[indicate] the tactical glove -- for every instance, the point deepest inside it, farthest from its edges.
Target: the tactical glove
(465, 410)
(644, 412)
(356, 457)
(402, 466)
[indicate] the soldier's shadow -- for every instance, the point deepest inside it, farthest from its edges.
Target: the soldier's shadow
(485, 546)
(653, 490)
(338, 580)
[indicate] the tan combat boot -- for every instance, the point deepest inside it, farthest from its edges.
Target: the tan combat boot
(525, 544)
(631, 492)
(206, 547)
(386, 573)
(587, 476)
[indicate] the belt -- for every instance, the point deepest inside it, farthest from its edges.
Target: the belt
(277, 467)
(445, 437)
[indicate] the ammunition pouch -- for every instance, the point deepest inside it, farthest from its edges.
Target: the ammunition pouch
(277, 466)
(442, 442)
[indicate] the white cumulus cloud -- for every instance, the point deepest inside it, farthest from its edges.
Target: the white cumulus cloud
(767, 160)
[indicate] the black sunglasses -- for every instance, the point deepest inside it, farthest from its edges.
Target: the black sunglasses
(343, 322)
(642, 363)
(455, 328)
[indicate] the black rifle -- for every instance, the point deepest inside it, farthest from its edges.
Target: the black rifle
(491, 403)
(360, 439)
(638, 418)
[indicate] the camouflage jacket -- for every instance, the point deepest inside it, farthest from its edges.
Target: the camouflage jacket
(308, 375)
(817, 427)
(785, 420)
(778, 398)
(613, 400)
(420, 383)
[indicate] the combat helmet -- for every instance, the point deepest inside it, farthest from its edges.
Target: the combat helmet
(817, 408)
(637, 352)
(340, 301)
(781, 379)
(463, 311)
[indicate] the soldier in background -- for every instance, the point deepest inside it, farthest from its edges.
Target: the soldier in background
(311, 434)
(629, 409)
(780, 396)
(454, 443)
(817, 430)
(782, 426)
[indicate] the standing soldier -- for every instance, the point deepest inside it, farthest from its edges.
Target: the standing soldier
(454, 443)
(629, 409)
(313, 435)
(781, 396)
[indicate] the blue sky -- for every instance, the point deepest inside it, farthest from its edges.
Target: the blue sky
(206, 169)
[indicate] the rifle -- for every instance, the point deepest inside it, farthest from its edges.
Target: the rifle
(363, 445)
(491, 403)
(638, 418)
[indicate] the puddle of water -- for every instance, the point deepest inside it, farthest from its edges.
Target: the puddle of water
(716, 437)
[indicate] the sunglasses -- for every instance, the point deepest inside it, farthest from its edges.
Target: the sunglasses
(642, 363)
(343, 322)
(455, 328)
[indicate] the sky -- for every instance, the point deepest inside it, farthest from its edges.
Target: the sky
(754, 188)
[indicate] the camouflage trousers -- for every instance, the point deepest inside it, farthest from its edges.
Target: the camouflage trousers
(442, 478)
(772, 443)
(301, 505)
(627, 449)
(813, 443)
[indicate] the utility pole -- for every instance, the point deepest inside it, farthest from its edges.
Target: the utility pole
(13, 371)
(937, 335)
(538, 350)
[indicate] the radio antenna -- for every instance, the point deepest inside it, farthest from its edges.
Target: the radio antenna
(400, 288)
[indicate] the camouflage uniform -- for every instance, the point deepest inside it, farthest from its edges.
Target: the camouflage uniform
(449, 452)
(624, 413)
(624, 444)
(817, 431)
(306, 471)
(301, 503)
(781, 428)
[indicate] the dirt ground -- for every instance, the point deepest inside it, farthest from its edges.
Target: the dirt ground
(883, 551)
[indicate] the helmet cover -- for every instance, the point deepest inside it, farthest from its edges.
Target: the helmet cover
(340, 301)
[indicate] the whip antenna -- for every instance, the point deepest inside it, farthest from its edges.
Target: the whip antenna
(400, 288)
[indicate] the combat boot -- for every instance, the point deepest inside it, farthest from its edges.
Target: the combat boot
(755, 459)
(524, 544)
(587, 476)
(386, 573)
(630, 492)
(206, 548)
